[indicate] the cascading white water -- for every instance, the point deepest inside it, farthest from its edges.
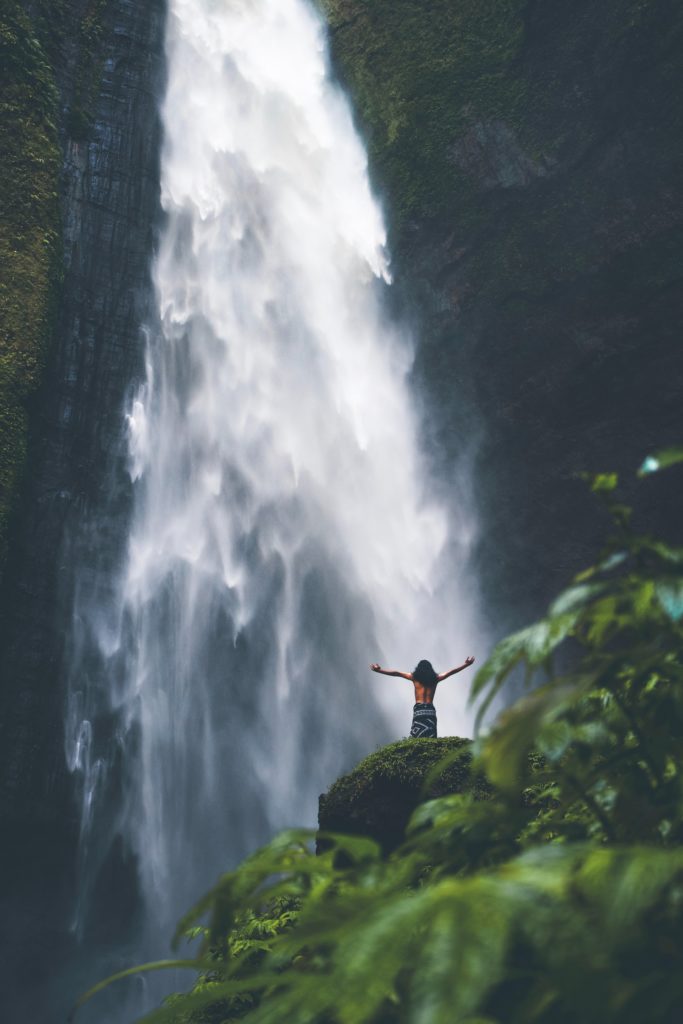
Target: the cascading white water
(284, 532)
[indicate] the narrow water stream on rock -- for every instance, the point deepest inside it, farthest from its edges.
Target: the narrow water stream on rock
(285, 532)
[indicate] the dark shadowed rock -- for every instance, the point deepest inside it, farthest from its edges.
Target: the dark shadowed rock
(490, 152)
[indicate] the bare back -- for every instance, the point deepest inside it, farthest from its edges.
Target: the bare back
(423, 694)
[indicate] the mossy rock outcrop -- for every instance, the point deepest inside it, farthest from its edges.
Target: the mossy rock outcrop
(377, 798)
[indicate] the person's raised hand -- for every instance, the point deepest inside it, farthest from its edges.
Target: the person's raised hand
(469, 660)
(375, 667)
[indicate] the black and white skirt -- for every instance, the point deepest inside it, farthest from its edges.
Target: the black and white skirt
(424, 722)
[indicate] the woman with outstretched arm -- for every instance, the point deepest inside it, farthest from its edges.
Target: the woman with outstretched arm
(425, 681)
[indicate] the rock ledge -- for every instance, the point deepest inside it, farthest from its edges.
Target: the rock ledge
(377, 798)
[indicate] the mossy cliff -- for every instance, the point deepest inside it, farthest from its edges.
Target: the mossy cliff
(377, 798)
(529, 155)
(30, 258)
(51, 63)
(79, 149)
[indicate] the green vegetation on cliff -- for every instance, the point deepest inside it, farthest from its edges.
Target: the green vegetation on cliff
(556, 899)
(420, 75)
(29, 237)
(57, 39)
(484, 118)
(456, 98)
(72, 32)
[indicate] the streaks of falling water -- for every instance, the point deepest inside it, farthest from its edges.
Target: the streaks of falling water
(284, 534)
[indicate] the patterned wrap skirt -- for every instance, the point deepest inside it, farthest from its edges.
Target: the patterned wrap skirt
(424, 722)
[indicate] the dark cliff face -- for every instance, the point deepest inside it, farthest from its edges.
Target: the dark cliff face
(109, 197)
(530, 154)
(107, 61)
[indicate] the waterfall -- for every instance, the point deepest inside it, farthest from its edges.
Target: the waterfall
(286, 532)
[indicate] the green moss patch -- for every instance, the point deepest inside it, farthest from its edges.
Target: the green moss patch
(378, 797)
(420, 74)
(29, 237)
(58, 34)
(423, 74)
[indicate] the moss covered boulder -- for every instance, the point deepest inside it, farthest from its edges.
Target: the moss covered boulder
(378, 797)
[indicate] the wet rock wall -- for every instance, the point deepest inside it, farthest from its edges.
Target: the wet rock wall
(106, 57)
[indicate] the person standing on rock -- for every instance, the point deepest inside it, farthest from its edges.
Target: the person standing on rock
(425, 680)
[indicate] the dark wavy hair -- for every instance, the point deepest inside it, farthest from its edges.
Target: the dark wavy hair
(425, 674)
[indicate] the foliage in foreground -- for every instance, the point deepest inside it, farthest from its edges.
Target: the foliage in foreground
(559, 899)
